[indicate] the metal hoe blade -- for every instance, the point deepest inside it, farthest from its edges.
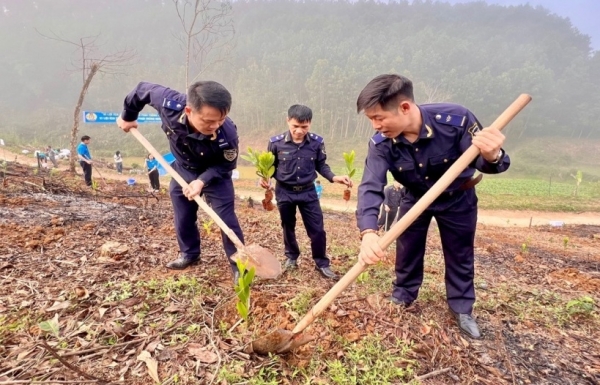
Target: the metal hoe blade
(264, 262)
(280, 341)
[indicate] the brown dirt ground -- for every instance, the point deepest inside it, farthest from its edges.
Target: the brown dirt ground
(530, 285)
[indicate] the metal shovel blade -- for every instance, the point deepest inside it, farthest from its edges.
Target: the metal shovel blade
(264, 262)
(280, 341)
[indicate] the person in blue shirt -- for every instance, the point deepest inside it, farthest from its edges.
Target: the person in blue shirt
(85, 159)
(299, 155)
(417, 144)
(152, 167)
(319, 189)
(204, 142)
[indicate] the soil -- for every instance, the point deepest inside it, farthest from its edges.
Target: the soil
(116, 310)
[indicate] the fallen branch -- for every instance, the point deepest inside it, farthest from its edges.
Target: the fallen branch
(432, 374)
(70, 366)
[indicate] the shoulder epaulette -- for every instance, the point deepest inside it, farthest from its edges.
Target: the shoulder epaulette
(316, 137)
(451, 119)
(222, 138)
(378, 138)
(172, 104)
(277, 138)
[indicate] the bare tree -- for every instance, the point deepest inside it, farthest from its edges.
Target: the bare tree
(90, 64)
(208, 33)
(435, 92)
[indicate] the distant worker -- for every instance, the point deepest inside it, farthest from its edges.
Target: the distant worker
(118, 162)
(85, 159)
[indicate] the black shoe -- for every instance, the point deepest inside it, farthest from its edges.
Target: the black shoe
(398, 302)
(326, 272)
(181, 263)
(468, 325)
(290, 264)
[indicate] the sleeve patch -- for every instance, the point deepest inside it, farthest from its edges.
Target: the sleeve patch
(474, 129)
(230, 154)
(276, 138)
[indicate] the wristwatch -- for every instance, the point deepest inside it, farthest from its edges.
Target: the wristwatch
(498, 157)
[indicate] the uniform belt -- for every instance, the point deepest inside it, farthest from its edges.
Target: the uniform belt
(191, 168)
(296, 188)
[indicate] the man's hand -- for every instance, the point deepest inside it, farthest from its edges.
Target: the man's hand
(193, 189)
(342, 179)
(489, 141)
(265, 184)
(89, 161)
(370, 252)
(126, 126)
(387, 208)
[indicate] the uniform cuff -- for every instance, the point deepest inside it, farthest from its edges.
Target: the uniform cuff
(129, 116)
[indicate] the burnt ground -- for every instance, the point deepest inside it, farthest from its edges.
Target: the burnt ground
(114, 317)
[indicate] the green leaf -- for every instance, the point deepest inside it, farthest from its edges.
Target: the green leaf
(351, 173)
(249, 277)
(51, 326)
(242, 310)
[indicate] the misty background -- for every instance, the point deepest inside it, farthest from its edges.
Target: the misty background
(319, 53)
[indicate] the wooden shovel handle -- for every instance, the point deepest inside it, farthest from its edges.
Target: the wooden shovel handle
(234, 238)
(407, 219)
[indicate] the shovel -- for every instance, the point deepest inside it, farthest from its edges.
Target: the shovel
(282, 341)
(263, 261)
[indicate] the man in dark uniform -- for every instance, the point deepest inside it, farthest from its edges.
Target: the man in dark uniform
(417, 144)
(299, 155)
(391, 205)
(204, 142)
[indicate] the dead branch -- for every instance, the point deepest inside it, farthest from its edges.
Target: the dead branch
(432, 374)
(69, 365)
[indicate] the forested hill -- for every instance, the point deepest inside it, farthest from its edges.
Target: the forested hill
(320, 53)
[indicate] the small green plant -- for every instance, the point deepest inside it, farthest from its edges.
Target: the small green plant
(582, 306)
(350, 170)
(565, 242)
(207, 226)
(301, 302)
(264, 161)
(242, 289)
(135, 166)
(363, 277)
(524, 248)
(94, 185)
(51, 326)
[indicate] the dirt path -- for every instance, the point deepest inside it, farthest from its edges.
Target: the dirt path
(504, 218)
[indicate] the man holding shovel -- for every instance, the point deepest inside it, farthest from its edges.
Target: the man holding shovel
(299, 155)
(204, 142)
(417, 144)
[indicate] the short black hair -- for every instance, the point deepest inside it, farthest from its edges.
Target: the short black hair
(209, 93)
(301, 113)
(118, 152)
(85, 137)
(386, 91)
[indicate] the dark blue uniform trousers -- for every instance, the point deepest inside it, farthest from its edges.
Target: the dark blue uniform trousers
(312, 216)
(220, 196)
(457, 221)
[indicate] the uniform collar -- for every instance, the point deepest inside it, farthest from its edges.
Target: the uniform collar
(288, 138)
(426, 132)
